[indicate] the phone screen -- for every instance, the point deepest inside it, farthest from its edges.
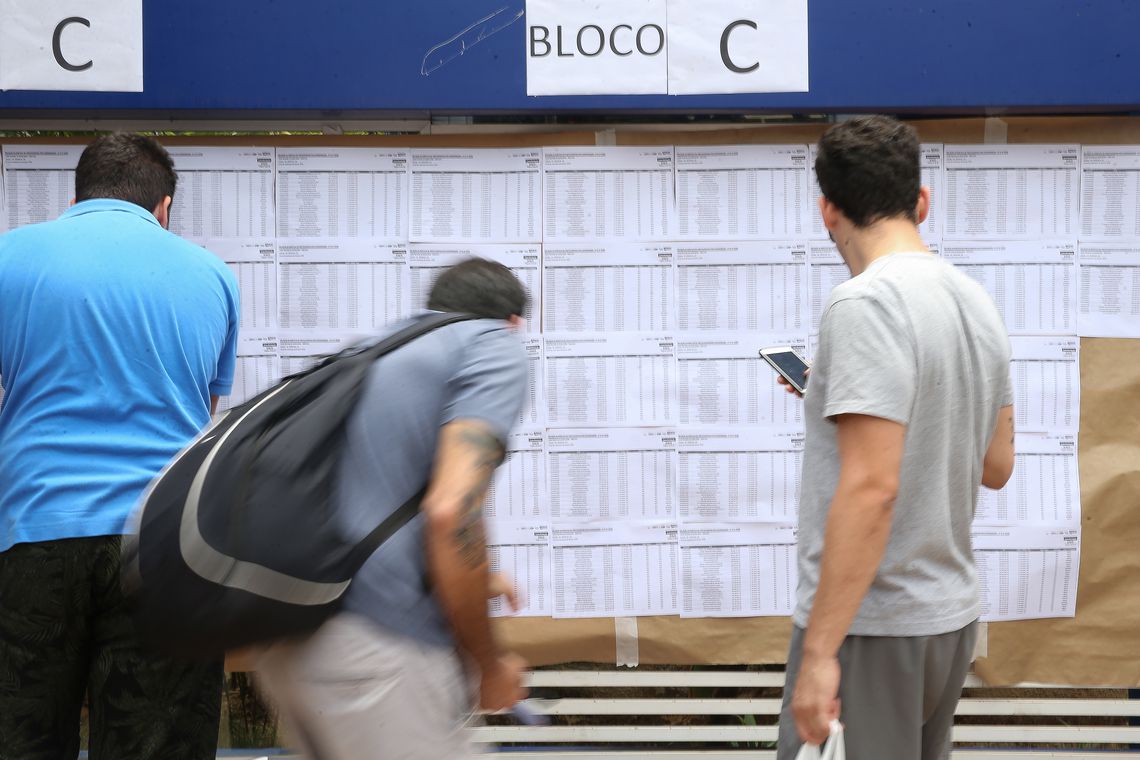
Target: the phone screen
(790, 366)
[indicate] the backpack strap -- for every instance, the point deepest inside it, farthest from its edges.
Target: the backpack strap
(420, 327)
(385, 530)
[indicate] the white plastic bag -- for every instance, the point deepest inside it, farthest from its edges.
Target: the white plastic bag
(831, 750)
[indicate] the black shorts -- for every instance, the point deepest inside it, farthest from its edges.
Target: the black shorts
(64, 633)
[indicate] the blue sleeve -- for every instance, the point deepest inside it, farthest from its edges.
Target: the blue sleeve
(223, 381)
(490, 383)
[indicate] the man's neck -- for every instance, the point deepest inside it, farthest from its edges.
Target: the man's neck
(862, 247)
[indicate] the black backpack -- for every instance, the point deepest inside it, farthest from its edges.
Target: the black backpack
(236, 541)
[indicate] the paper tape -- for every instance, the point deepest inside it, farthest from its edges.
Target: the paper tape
(997, 131)
(982, 645)
(605, 137)
(625, 636)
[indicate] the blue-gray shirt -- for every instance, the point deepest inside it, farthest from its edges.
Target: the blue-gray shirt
(468, 370)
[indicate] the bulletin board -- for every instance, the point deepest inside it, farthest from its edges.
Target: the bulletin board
(1094, 648)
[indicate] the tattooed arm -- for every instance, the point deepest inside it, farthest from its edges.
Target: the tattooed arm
(466, 459)
(998, 464)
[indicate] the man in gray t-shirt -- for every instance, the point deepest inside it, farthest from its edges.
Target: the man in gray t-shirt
(908, 410)
(385, 676)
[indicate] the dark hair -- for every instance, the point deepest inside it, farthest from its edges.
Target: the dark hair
(870, 168)
(126, 167)
(477, 286)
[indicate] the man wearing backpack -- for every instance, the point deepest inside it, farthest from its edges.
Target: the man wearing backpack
(116, 338)
(387, 676)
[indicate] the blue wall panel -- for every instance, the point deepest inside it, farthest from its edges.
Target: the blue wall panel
(364, 57)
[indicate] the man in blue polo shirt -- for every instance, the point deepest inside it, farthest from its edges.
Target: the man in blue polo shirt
(116, 338)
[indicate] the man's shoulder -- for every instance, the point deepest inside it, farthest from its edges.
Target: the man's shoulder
(28, 233)
(486, 330)
(494, 337)
(488, 345)
(209, 258)
(896, 278)
(851, 296)
(465, 329)
(196, 256)
(475, 332)
(478, 362)
(489, 348)
(470, 341)
(854, 289)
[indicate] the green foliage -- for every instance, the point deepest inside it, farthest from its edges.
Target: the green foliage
(252, 723)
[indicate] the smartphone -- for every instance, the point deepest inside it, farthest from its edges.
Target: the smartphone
(788, 363)
(527, 715)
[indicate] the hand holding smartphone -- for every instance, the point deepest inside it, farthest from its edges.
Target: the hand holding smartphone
(788, 365)
(524, 713)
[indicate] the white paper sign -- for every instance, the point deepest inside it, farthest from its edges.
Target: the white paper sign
(583, 47)
(71, 45)
(735, 46)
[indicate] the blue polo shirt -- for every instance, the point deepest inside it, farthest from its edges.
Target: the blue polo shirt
(114, 333)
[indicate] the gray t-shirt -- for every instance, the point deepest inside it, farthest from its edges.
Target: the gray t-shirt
(915, 341)
(468, 370)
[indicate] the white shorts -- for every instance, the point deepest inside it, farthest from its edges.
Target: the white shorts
(354, 690)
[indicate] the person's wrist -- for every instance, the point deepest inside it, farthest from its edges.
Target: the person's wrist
(491, 659)
(815, 653)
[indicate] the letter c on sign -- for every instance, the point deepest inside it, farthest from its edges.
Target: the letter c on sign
(58, 52)
(613, 40)
(728, 63)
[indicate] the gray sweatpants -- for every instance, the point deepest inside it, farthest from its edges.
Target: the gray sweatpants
(355, 691)
(897, 694)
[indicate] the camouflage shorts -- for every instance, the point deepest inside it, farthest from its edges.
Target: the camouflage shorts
(64, 634)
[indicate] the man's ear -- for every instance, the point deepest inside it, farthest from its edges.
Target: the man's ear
(162, 212)
(517, 322)
(71, 203)
(922, 208)
(830, 214)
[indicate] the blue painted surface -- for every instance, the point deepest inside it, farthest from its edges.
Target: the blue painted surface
(364, 57)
